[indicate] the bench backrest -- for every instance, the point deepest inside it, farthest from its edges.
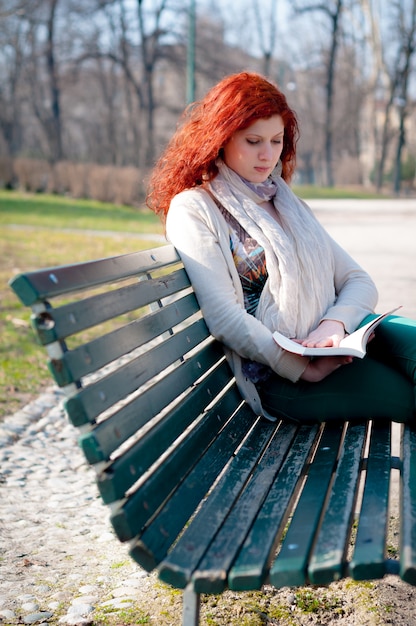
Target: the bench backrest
(127, 342)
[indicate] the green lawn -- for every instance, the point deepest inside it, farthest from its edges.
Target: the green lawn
(42, 231)
(309, 192)
(61, 212)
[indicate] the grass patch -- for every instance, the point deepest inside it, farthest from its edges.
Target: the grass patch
(310, 192)
(116, 617)
(66, 213)
(120, 564)
(38, 231)
(312, 601)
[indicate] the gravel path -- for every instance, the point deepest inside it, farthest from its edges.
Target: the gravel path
(59, 559)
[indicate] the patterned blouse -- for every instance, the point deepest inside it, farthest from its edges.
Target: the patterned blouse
(250, 261)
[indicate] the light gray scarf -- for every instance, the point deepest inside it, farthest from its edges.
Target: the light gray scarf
(297, 252)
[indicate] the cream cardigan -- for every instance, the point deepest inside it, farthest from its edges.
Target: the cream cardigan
(197, 229)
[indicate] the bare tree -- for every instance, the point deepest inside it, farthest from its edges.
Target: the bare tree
(12, 39)
(407, 30)
(137, 49)
(150, 54)
(54, 125)
(43, 74)
(387, 134)
(266, 37)
(333, 11)
(379, 84)
(397, 66)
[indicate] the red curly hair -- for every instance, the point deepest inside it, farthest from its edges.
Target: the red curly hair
(206, 126)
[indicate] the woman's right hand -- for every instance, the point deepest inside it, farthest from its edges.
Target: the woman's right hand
(319, 368)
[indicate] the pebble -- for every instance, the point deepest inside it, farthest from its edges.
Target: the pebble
(33, 618)
(61, 562)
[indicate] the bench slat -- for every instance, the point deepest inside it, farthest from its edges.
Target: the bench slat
(165, 528)
(328, 560)
(91, 401)
(109, 434)
(290, 566)
(118, 477)
(80, 315)
(212, 571)
(177, 568)
(97, 353)
(250, 568)
(130, 517)
(408, 507)
(369, 551)
(33, 287)
(126, 379)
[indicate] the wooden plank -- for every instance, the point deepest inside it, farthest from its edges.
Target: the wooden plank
(368, 561)
(328, 560)
(177, 568)
(250, 569)
(290, 566)
(126, 379)
(93, 355)
(130, 517)
(211, 573)
(48, 283)
(158, 537)
(119, 476)
(408, 506)
(74, 317)
(109, 434)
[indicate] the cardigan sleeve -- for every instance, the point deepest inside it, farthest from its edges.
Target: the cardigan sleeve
(200, 234)
(356, 292)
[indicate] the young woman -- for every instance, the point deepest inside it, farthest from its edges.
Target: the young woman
(259, 261)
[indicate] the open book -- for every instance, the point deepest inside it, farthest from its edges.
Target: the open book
(352, 345)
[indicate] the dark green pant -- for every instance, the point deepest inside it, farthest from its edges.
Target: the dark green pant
(380, 386)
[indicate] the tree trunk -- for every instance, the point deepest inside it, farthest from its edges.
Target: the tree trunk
(409, 47)
(55, 134)
(330, 96)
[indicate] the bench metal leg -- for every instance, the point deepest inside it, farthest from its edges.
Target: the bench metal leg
(191, 605)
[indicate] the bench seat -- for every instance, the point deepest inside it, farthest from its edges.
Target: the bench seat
(205, 491)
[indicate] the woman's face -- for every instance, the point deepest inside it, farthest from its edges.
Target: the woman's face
(253, 153)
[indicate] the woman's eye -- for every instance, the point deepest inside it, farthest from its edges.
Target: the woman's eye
(255, 142)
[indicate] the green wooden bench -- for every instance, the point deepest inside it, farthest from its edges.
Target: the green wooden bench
(208, 493)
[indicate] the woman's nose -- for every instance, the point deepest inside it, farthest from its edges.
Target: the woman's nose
(266, 152)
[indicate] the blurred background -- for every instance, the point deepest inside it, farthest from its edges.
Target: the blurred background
(91, 90)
